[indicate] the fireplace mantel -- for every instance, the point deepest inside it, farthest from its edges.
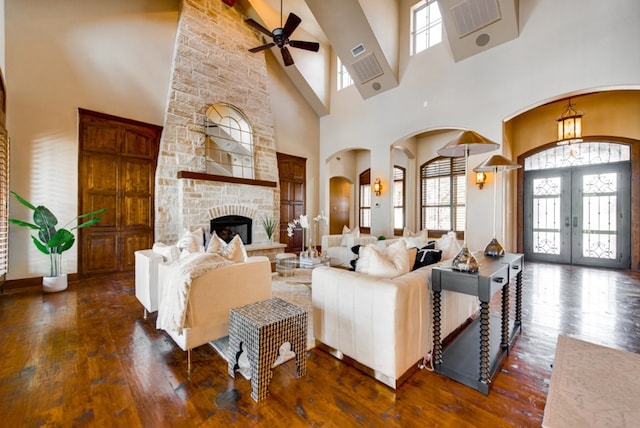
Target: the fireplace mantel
(223, 178)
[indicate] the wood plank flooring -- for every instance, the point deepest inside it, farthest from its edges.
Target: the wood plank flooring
(87, 358)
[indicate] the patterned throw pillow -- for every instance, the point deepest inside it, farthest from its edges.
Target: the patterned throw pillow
(233, 251)
(426, 256)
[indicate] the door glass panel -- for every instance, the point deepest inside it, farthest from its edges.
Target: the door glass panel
(546, 215)
(599, 206)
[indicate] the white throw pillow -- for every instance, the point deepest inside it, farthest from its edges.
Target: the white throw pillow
(170, 253)
(407, 233)
(393, 262)
(348, 236)
(233, 251)
(449, 245)
(416, 242)
(388, 263)
(364, 256)
(192, 241)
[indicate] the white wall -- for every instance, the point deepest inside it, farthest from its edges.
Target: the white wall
(109, 56)
(551, 58)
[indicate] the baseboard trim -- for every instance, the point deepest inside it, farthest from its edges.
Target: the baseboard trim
(27, 283)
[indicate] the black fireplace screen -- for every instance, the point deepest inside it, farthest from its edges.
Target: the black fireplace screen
(228, 226)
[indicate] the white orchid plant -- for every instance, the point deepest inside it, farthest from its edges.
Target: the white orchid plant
(303, 222)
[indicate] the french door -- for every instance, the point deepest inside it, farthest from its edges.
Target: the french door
(579, 215)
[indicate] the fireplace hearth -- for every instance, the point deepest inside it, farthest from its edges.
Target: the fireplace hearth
(228, 226)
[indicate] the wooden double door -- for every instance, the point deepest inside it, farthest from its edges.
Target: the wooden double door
(117, 163)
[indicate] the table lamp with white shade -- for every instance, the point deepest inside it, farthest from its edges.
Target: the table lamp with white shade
(495, 164)
(465, 144)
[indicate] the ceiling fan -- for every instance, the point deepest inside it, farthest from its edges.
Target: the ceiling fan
(281, 36)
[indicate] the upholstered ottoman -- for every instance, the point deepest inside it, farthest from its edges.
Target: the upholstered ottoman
(259, 329)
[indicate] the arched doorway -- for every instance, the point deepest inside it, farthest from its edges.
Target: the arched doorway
(577, 204)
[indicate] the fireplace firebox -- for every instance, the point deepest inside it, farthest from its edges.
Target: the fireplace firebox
(228, 226)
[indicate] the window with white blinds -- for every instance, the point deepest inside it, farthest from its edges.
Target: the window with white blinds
(442, 195)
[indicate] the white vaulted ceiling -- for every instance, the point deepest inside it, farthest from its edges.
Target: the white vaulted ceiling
(372, 27)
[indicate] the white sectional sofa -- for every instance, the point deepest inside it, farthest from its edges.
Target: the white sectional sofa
(383, 326)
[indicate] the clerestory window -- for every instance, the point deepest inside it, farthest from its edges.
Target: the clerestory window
(426, 25)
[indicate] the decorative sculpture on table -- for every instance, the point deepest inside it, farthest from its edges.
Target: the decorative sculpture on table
(465, 144)
(495, 164)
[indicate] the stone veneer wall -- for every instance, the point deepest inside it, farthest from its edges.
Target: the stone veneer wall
(211, 64)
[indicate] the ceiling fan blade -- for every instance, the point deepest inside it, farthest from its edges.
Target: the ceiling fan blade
(261, 48)
(257, 26)
(292, 23)
(310, 46)
(286, 56)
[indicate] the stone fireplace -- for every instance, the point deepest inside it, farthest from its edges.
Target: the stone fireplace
(228, 226)
(210, 67)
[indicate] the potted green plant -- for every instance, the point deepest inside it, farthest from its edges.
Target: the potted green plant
(269, 225)
(52, 241)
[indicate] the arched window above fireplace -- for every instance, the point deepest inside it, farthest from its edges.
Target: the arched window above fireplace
(229, 142)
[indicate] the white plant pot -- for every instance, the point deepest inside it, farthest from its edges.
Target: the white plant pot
(53, 284)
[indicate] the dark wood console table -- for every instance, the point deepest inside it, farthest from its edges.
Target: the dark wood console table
(461, 360)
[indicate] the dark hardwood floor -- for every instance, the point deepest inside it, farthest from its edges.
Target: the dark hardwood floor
(86, 357)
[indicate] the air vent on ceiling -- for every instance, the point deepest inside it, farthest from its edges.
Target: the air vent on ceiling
(358, 50)
(367, 68)
(472, 15)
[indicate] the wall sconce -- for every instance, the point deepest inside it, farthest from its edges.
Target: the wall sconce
(377, 187)
(481, 178)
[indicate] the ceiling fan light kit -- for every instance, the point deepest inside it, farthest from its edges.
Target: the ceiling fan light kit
(280, 36)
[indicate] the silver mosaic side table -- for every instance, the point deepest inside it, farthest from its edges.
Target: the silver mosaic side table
(259, 329)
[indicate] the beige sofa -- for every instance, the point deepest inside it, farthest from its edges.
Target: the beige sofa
(382, 326)
(211, 297)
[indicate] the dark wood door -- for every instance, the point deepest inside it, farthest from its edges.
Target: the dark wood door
(340, 203)
(293, 172)
(116, 171)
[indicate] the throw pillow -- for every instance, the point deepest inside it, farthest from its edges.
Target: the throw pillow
(170, 253)
(233, 251)
(394, 261)
(407, 233)
(192, 241)
(426, 256)
(364, 256)
(356, 251)
(348, 236)
(449, 245)
(216, 244)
